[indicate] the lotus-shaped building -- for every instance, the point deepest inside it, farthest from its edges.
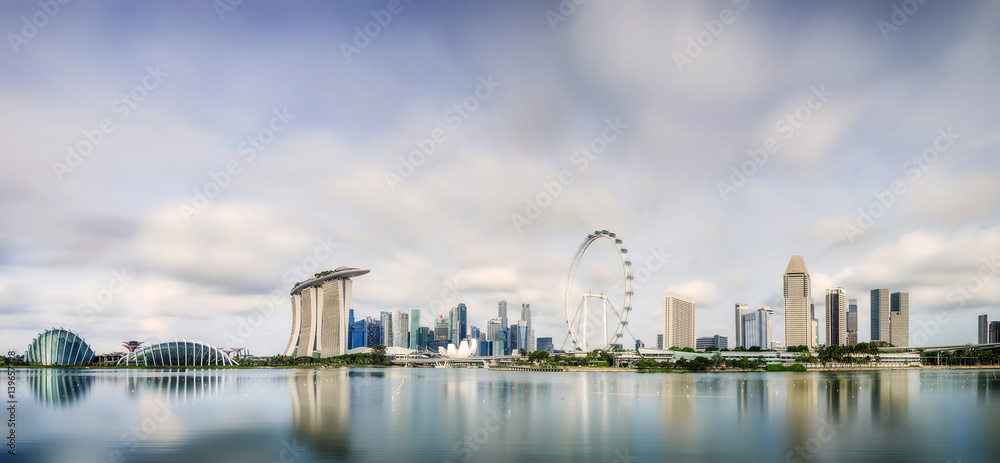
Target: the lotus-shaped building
(465, 349)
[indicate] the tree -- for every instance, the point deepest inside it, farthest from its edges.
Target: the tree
(522, 352)
(378, 354)
(538, 356)
(754, 349)
(711, 349)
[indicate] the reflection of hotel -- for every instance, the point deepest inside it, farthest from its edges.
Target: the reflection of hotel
(319, 314)
(321, 409)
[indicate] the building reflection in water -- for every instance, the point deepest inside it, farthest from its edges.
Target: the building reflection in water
(57, 388)
(890, 399)
(753, 398)
(321, 409)
(801, 408)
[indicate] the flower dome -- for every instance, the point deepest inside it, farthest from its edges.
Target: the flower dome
(465, 349)
(177, 353)
(58, 347)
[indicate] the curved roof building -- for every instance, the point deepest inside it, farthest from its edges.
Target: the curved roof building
(58, 347)
(319, 314)
(177, 354)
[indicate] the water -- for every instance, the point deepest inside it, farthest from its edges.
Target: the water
(478, 415)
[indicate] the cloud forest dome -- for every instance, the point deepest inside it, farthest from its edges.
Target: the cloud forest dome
(58, 347)
(177, 353)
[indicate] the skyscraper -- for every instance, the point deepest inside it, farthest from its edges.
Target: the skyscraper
(400, 329)
(836, 317)
(798, 297)
(526, 316)
(678, 321)
(492, 326)
(453, 322)
(387, 338)
(441, 330)
(463, 322)
(502, 313)
(414, 328)
(757, 328)
(899, 319)
(319, 314)
(852, 322)
(880, 314)
(741, 309)
(994, 332)
(984, 333)
(474, 333)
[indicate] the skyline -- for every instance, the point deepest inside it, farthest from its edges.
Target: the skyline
(464, 152)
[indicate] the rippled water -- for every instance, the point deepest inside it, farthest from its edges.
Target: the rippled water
(457, 415)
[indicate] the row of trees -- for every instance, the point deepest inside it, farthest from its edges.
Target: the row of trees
(863, 353)
(969, 357)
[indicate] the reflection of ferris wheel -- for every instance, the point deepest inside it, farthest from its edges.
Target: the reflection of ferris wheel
(598, 293)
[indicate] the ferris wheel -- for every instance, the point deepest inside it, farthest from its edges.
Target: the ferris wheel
(598, 293)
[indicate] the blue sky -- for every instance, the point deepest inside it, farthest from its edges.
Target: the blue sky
(330, 130)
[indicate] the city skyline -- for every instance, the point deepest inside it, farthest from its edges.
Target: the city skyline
(160, 185)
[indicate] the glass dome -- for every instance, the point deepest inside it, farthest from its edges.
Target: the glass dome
(58, 347)
(177, 353)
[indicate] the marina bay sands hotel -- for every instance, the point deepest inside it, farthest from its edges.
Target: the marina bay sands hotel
(319, 314)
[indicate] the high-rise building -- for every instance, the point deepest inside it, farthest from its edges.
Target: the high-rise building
(387, 333)
(319, 314)
(659, 341)
(373, 332)
(741, 309)
(899, 319)
(852, 322)
(757, 328)
(357, 330)
(502, 313)
(514, 342)
(463, 322)
(453, 322)
(526, 316)
(414, 328)
(441, 328)
(836, 317)
(546, 345)
(880, 314)
(492, 326)
(984, 334)
(474, 333)
(994, 332)
(678, 321)
(503, 337)
(523, 336)
(798, 298)
(400, 329)
(424, 336)
(718, 341)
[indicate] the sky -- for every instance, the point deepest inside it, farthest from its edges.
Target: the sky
(171, 168)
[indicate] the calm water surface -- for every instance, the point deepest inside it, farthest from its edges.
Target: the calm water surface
(478, 415)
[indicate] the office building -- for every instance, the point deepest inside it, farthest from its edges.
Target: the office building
(414, 327)
(994, 332)
(984, 332)
(401, 329)
(424, 336)
(852, 322)
(741, 309)
(319, 314)
(678, 321)
(474, 333)
(757, 328)
(836, 317)
(529, 343)
(659, 341)
(373, 332)
(899, 319)
(441, 330)
(514, 342)
(492, 326)
(718, 341)
(386, 319)
(463, 322)
(880, 314)
(798, 300)
(546, 345)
